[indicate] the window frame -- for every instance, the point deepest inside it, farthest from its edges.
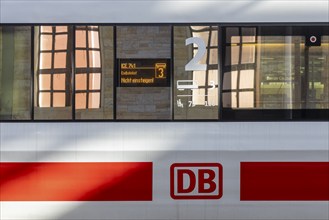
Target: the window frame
(52, 70)
(230, 114)
(225, 115)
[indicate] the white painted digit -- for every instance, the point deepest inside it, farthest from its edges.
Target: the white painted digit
(194, 64)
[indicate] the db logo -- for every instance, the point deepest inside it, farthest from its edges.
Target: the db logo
(196, 181)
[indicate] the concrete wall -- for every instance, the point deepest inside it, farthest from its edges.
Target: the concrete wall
(143, 102)
(15, 75)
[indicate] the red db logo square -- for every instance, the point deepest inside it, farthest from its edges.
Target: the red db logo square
(196, 181)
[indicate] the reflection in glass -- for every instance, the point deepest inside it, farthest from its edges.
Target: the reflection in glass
(46, 42)
(93, 39)
(276, 72)
(94, 81)
(53, 66)
(88, 67)
(45, 61)
(61, 42)
(44, 99)
(81, 59)
(59, 99)
(94, 99)
(81, 81)
(94, 59)
(59, 81)
(15, 77)
(196, 92)
(60, 60)
(44, 81)
(80, 38)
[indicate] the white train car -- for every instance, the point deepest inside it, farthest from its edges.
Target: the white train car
(164, 110)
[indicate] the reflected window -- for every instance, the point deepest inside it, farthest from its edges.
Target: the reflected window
(88, 67)
(55, 71)
(196, 85)
(54, 67)
(238, 83)
(275, 69)
(207, 92)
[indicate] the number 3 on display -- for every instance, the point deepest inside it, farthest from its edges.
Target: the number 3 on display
(194, 64)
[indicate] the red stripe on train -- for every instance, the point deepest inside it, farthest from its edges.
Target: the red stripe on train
(114, 181)
(283, 181)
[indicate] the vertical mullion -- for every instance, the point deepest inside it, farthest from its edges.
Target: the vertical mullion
(207, 63)
(255, 69)
(32, 74)
(115, 77)
(239, 69)
(87, 72)
(101, 70)
(172, 79)
(220, 63)
(73, 69)
(38, 67)
(52, 66)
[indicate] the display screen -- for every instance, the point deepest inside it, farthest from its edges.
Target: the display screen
(144, 72)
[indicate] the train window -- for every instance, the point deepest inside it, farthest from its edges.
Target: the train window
(56, 49)
(143, 57)
(15, 72)
(196, 72)
(94, 61)
(88, 68)
(53, 71)
(273, 68)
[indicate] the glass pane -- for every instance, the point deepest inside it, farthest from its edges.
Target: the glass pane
(80, 58)
(229, 100)
(59, 81)
(94, 81)
(232, 35)
(94, 59)
(46, 42)
(213, 56)
(94, 100)
(93, 39)
(15, 77)
(148, 44)
(247, 78)
(44, 81)
(103, 40)
(279, 71)
(44, 99)
(248, 54)
(81, 81)
(52, 71)
(60, 29)
(80, 100)
(59, 99)
(46, 29)
(248, 35)
(80, 39)
(45, 61)
(196, 89)
(246, 99)
(60, 60)
(318, 87)
(61, 42)
(235, 54)
(230, 80)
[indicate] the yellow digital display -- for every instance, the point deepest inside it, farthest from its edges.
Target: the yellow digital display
(143, 72)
